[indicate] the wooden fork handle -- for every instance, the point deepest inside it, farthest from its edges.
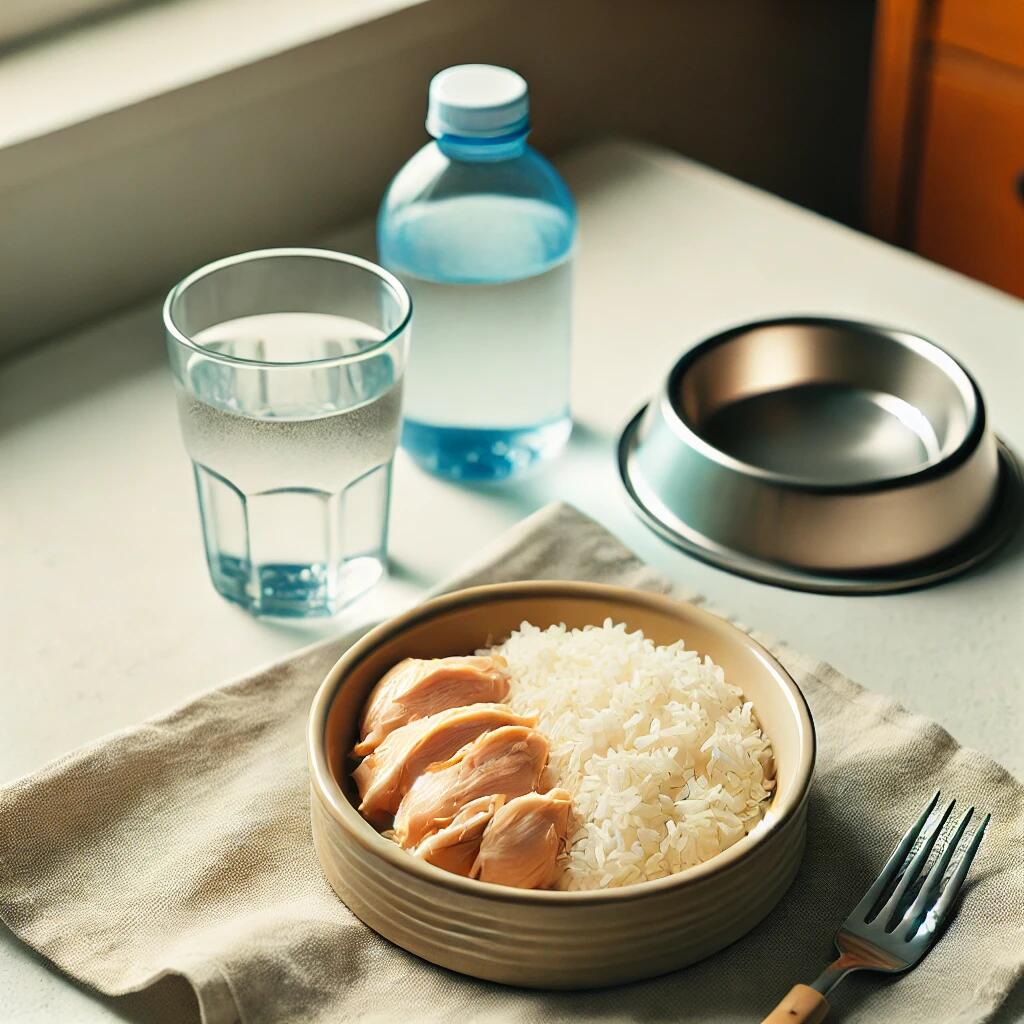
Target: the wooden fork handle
(802, 1005)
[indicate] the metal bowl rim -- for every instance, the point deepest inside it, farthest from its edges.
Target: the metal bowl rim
(999, 526)
(938, 467)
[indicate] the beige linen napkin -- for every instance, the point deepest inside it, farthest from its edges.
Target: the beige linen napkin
(182, 847)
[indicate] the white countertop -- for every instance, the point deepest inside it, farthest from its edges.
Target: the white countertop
(109, 616)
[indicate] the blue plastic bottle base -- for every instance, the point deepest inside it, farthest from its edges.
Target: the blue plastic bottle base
(466, 453)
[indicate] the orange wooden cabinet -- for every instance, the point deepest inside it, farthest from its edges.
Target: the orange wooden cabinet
(946, 134)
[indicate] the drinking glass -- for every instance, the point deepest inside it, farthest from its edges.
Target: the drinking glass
(288, 368)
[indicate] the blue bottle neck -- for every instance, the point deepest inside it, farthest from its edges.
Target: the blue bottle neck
(482, 151)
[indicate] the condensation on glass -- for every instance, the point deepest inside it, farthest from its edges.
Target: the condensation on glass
(288, 366)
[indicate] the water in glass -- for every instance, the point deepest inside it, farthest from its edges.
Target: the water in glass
(292, 462)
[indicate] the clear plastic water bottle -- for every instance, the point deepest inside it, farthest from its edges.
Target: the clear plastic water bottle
(480, 229)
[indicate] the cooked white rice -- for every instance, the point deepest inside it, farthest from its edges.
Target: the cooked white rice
(665, 761)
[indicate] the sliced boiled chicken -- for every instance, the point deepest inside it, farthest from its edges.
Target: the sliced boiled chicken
(520, 846)
(505, 762)
(455, 847)
(385, 776)
(415, 689)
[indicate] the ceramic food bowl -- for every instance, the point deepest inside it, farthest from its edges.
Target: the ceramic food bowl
(822, 454)
(548, 939)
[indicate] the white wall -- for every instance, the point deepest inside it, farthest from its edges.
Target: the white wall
(99, 215)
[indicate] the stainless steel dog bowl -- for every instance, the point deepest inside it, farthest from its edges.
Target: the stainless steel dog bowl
(825, 455)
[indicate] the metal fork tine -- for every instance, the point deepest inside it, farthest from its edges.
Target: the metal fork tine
(892, 906)
(894, 863)
(934, 877)
(955, 883)
(892, 942)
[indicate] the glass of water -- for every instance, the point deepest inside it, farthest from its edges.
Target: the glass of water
(288, 368)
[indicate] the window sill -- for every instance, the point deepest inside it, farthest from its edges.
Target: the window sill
(138, 148)
(141, 54)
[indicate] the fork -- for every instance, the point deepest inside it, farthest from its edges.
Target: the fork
(896, 936)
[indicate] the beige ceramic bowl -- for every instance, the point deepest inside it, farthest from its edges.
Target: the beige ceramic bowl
(555, 939)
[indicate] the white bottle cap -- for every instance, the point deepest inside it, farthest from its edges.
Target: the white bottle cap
(478, 101)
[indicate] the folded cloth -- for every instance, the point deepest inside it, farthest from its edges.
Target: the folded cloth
(182, 847)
